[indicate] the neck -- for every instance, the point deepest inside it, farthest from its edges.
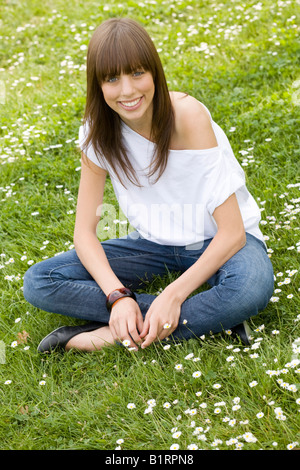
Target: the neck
(142, 126)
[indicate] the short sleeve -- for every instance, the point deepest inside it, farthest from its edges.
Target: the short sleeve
(89, 150)
(226, 179)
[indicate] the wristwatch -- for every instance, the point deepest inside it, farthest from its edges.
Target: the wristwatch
(118, 294)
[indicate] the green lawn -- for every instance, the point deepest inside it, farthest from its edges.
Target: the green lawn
(241, 59)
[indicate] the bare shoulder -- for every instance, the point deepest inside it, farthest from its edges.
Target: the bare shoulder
(193, 128)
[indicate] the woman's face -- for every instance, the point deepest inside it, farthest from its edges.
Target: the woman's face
(131, 96)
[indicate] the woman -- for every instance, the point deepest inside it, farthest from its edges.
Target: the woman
(181, 188)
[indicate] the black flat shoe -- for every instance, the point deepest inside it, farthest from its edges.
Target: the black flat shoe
(58, 338)
(243, 332)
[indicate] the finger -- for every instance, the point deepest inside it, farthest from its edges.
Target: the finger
(149, 340)
(134, 333)
(140, 323)
(127, 334)
(116, 327)
(166, 330)
(145, 328)
(113, 332)
(121, 331)
(151, 336)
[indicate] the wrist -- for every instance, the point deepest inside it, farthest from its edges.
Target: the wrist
(117, 295)
(174, 293)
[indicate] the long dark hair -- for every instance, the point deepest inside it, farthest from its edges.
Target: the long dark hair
(121, 45)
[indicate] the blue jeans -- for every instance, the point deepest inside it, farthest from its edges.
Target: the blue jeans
(239, 290)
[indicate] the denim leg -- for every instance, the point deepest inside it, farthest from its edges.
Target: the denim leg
(239, 290)
(62, 284)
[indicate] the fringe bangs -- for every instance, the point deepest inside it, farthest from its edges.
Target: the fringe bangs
(122, 52)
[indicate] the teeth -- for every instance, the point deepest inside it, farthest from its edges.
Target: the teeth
(129, 104)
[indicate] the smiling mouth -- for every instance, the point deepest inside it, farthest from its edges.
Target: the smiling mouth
(130, 104)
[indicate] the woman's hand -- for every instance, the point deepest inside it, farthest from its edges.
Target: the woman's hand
(126, 322)
(161, 319)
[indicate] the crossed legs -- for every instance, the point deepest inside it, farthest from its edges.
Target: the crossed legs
(241, 288)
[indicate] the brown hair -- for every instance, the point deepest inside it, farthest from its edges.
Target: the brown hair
(122, 45)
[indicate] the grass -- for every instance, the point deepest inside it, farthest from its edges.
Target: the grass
(242, 61)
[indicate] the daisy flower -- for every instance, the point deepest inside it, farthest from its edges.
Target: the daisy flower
(197, 374)
(151, 402)
(130, 406)
(189, 356)
(253, 383)
(192, 447)
(174, 447)
(248, 436)
(292, 445)
(216, 386)
(236, 407)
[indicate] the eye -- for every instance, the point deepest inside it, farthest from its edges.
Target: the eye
(138, 73)
(111, 79)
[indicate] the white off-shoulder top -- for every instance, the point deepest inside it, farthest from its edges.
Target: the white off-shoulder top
(178, 208)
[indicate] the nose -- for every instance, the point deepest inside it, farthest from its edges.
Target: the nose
(127, 86)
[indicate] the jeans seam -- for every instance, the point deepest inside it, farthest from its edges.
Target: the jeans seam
(80, 264)
(81, 285)
(136, 256)
(224, 270)
(61, 266)
(74, 280)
